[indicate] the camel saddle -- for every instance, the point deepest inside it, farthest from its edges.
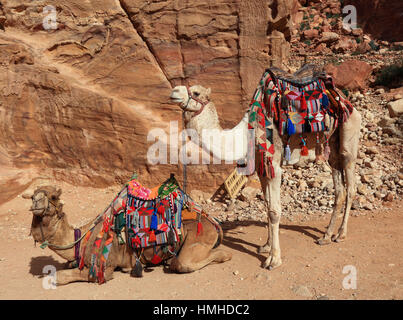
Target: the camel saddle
(303, 102)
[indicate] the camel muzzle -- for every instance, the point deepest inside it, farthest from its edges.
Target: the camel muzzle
(37, 212)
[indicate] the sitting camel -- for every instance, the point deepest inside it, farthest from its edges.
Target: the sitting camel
(200, 114)
(50, 226)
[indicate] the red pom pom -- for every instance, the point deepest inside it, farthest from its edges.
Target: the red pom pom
(304, 151)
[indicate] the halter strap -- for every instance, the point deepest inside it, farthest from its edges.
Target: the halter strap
(203, 104)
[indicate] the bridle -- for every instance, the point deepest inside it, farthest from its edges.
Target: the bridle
(45, 209)
(203, 104)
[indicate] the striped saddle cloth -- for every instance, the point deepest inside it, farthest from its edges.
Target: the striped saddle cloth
(301, 104)
(154, 216)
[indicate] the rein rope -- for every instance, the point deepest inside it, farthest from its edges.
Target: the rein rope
(71, 245)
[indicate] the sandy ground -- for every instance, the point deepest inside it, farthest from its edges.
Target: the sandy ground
(374, 247)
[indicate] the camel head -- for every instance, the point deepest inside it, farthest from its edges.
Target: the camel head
(191, 99)
(45, 201)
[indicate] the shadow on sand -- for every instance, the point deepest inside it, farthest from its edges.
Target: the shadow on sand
(238, 244)
(38, 263)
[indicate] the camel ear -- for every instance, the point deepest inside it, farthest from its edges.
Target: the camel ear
(59, 193)
(208, 92)
(27, 195)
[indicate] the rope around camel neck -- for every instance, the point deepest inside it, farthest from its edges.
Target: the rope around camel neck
(69, 246)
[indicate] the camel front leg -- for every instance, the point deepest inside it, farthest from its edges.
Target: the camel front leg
(185, 263)
(351, 190)
(266, 248)
(64, 277)
(274, 212)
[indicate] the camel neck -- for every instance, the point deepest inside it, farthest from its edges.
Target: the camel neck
(206, 120)
(56, 231)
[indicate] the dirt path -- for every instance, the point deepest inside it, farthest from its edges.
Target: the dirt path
(374, 248)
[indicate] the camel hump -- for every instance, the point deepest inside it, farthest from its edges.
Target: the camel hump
(303, 77)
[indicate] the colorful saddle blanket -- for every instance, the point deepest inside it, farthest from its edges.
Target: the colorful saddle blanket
(151, 217)
(304, 102)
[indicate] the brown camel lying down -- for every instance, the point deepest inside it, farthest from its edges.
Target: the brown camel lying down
(49, 223)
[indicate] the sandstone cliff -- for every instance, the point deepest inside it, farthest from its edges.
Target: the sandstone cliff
(381, 18)
(78, 101)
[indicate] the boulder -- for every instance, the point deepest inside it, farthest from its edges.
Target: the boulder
(351, 74)
(395, 108)
(363, 47)
(329, 37)
(311, 34)
(345, 45)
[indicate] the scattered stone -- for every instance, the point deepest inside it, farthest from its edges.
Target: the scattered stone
(249, 194)
(302, 291)
(389, 197)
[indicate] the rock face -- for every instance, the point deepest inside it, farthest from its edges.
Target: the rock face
(351, 74)
(79, 100)
(380, 18)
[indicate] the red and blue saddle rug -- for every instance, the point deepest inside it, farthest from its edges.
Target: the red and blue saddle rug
(150, 217)
(316, 106)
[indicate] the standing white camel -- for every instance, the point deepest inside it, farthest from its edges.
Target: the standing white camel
(200, 114)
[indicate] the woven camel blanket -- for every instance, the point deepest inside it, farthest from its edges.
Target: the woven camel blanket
(296, 107)
(150, 217)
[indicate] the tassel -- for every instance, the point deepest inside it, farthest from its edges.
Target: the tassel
(287, 153)
(261, 163)
(137, 270)
(199, 228)
(171, 237)
(101, 278)
(161, 210)
(154, 221)
(325, 100)
(304, 151)
(303, 102)
(290, 127)
(156, 259)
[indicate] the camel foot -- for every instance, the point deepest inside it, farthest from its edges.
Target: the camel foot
(339, 238)
(272, 263)
(323, 241)
(264, 249)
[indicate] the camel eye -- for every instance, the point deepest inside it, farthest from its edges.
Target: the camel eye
(196, 94)
(54, 198)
